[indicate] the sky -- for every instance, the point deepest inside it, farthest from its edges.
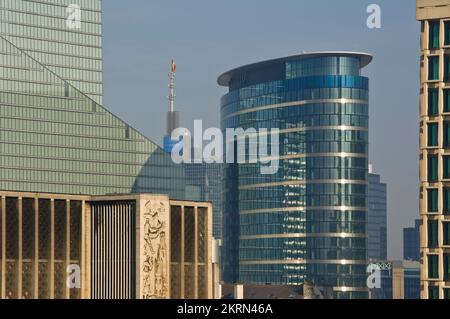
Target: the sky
(209, 37)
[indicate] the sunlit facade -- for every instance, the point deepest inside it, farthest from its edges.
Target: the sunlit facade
(308, 221)
(55, 136)
(434, 17)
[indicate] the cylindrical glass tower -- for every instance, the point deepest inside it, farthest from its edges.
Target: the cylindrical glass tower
(307, 222)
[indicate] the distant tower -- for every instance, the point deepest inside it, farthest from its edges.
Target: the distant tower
(173, 118)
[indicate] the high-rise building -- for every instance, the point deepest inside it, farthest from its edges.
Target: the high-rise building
(204, 183)
(377, 217)
(308, 220)
(55, 136)
(434, 16)
(399, 280)
(411, 242)
(64, 36)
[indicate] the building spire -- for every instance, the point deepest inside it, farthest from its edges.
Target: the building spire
(173, 117)
(173, 69)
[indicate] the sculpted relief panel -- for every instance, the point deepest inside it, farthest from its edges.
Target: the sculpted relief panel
(155, 249)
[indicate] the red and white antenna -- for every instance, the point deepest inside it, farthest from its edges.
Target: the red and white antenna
(173, 70)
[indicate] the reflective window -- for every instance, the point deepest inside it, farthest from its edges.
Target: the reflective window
(433, 68)
(433, 136)
(433, 266)
(433, 102)
(432, 168)
(434, 34)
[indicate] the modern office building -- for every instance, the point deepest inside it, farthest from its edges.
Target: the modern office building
(411, 242)
(66, 41)
(377, 217)
(121, 247)
(204, 183)
(55, 137)
(434, 16)
(399, 280)
(308, 220)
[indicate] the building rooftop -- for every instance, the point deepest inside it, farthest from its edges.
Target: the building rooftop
(226, 77)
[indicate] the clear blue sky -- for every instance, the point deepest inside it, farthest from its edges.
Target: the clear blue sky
(208, 37)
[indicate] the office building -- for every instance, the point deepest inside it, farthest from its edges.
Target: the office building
(399, 280)
(377, 217)
(434, 17)
(55, 137)
(204, 183)
(66, 41)
(411, 242)
(143, 246)
(308, 220)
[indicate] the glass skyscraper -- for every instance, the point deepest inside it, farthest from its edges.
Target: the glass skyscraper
(204, 183)
(55, 136)
(377, 218)
(307, 221)
(411, 242)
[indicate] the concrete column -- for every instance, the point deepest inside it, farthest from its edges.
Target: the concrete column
(85, 251)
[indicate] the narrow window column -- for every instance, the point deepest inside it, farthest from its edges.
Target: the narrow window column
(3, 249)
(36, 250)
(182, 255)
(51, 266)
(19, 248)
(67, 256)
(196, 252)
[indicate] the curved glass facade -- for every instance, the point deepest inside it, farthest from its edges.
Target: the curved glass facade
(307, 222)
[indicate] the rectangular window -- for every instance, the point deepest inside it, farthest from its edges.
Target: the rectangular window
(433, 68)
(432, 168)
(446, 267)
(433, 293)
(446, 293)
(433, 267)
(447, 33)
(447, 67)
(446, 100)
(446, 167)
(446, 200)
(433, 241)
(446, 229)
(434, 34)
(433, 102)
(433, 134)
(446, 134)
(432, 200)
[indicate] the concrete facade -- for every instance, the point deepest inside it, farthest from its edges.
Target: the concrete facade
(434, 16)
(142, 246)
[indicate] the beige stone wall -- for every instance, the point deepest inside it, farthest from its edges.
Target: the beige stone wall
(42, 234)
